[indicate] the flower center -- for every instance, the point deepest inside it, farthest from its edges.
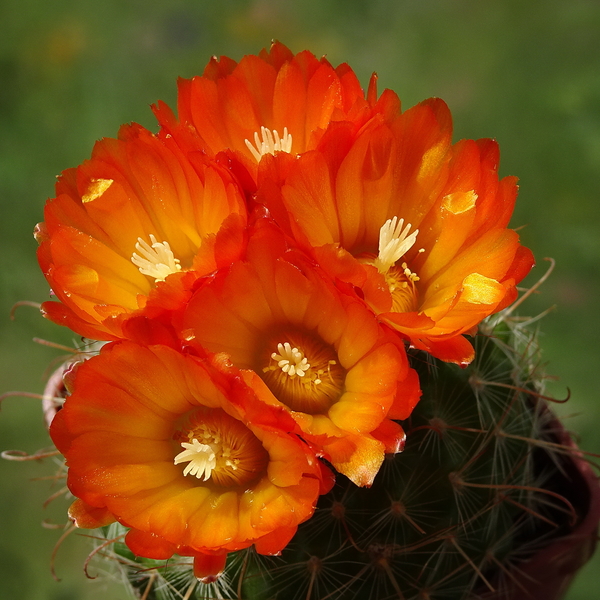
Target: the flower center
(395, 240)
(156, 260)
(291, 361)
(303, 373)
(271, 143)
(220, 449)
(401, 283)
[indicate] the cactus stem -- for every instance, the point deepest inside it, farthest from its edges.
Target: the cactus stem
(350, 536)
(562, 449)
(348, 583)
(532, 512)
(508, 573)
(473, 565)
(455, 480)
(314, 566)
(54, 478)
(338, 510)
(475, 382)
(527, 488)
(383, 562)
(398, 509)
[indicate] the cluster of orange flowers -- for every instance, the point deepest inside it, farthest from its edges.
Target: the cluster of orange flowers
(259, 268)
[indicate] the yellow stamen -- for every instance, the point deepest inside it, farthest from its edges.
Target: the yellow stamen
(409, 274)
(157, 260)
(271, 143)
(202, 458)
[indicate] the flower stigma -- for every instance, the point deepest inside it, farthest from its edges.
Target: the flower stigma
(156, 260)
(394, 243)
(201, 457)
(271, 143)
(220, 448)
(395, 240)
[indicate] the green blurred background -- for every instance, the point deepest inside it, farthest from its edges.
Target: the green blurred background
(526, 72)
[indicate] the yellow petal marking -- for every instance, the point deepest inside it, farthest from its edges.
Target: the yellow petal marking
(459, 202)
(479, 289)
(96, 188)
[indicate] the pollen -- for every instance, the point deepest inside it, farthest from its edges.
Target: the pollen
(202, 459)
(395, 241)
(156, 260)
(270, 143)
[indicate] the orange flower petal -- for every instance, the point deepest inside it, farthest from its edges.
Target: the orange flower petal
(353, 368)
(138, 212)
(89, 517)
(149, 545)
(185, 464)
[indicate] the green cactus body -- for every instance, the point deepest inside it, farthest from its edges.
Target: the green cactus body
(473, 493)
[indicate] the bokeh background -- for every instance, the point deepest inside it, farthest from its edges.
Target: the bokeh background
(71, 71)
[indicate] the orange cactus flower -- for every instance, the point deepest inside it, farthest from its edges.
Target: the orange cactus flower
(306, 346)
(273, 102)
(130, 229)
(418, 224)
(185, 454)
